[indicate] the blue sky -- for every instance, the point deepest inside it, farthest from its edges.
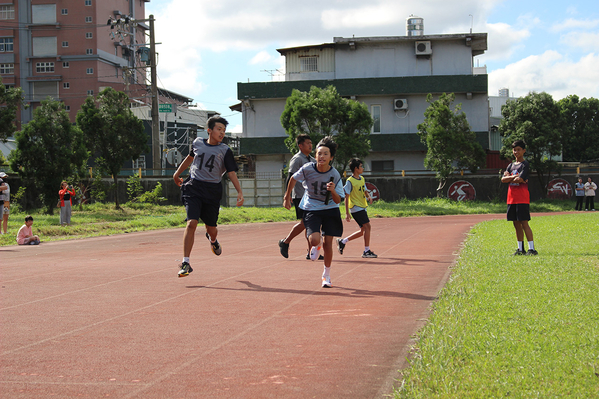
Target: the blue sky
(207, 46)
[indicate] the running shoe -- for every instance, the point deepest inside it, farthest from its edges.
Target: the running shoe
(314, 253)
(284, 248)
(216, 248)
(340, 245)
(531, 252)
(369, 254)
(185, 269)
(519, 252)
(326, 282)
(320, 257)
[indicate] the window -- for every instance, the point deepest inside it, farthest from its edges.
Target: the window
(383, 166)
(90, 92)
(309, 64)
(7, 69)
(89, 71)
(89, 35)
(43, 14)
(7, 12)
(89, 51)
(44, 67)
(64, 11)
(65, 44)
(67, 107)
(6, 44)
(41, 90)
(88, 2)
(66, 85)
(88, 20)
(375, 112)
(65, 64)
(44, 46)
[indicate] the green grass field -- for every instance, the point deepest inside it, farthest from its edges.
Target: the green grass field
(515, 326)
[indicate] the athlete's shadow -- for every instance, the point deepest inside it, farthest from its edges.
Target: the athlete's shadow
(390, 261)
(345, 292)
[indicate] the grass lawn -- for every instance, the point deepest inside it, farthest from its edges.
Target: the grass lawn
(515, 326)
(103, 219)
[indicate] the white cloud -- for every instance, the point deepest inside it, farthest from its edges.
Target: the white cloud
(575, 24)
(260, 58)
(503, 40)
(588, 41)
(551, 73)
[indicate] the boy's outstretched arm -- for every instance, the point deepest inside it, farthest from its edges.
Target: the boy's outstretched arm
(233, 177)
(184, 165)
(287, 197)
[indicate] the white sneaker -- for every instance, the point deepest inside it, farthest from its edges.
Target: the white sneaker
(314, 252)
(326, 282)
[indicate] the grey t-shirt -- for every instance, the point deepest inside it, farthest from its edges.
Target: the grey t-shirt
(295, 164)
(210, 162)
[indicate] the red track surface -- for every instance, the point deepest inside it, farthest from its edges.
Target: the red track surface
(108, 317)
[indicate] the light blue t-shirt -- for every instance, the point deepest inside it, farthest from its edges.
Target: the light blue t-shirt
(315, 187)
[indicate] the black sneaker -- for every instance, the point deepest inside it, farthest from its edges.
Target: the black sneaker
(320, 257)
(369, 254)
(216, 248)
(519, 252)
(284, 248)
(185, 269)
(531, 252)
(340, 245)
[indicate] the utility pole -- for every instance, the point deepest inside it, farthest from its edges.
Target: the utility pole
(156, 155)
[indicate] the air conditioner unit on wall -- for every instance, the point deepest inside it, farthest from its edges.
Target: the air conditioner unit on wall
(423, 48)
(400, 103)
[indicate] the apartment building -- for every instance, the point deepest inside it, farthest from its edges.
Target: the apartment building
(70, 49)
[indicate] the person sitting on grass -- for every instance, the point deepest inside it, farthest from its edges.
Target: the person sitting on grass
(355, 200)
(25, 235)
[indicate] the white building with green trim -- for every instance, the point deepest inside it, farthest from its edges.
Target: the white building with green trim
(391, 75)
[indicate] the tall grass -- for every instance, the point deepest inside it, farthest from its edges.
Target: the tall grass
(515, 326)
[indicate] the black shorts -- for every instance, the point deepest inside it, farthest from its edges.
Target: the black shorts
(518, 212)
(328, 221)
(202, 201)
(361, 217)
(299, 212)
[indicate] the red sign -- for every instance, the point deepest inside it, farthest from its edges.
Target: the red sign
(461, 190)
(374, 192)
(559, 189)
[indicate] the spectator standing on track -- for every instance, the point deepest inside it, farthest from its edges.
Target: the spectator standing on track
(201, 192)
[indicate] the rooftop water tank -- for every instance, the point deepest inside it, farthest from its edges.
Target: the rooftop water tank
(414, 26)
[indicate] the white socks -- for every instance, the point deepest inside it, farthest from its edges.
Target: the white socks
(186, 259)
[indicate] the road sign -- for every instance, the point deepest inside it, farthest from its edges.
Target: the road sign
(166, 108)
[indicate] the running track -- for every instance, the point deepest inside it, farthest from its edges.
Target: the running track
(108, 317)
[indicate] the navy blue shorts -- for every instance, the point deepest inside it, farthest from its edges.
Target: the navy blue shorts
(361, 217)
(299, 212)
(327, 221)
(518, 212)
(202, 201)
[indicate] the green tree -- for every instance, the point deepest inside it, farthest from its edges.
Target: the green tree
(49, 149)
(537, 120)
(323, 112)
(10, 100)
(114, 135)
(581, 133)
(450, 143)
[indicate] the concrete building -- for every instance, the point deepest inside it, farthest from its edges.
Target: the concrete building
(66, 49)
(391, 75)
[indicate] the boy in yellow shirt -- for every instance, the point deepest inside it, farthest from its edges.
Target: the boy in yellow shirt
(355, 201)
